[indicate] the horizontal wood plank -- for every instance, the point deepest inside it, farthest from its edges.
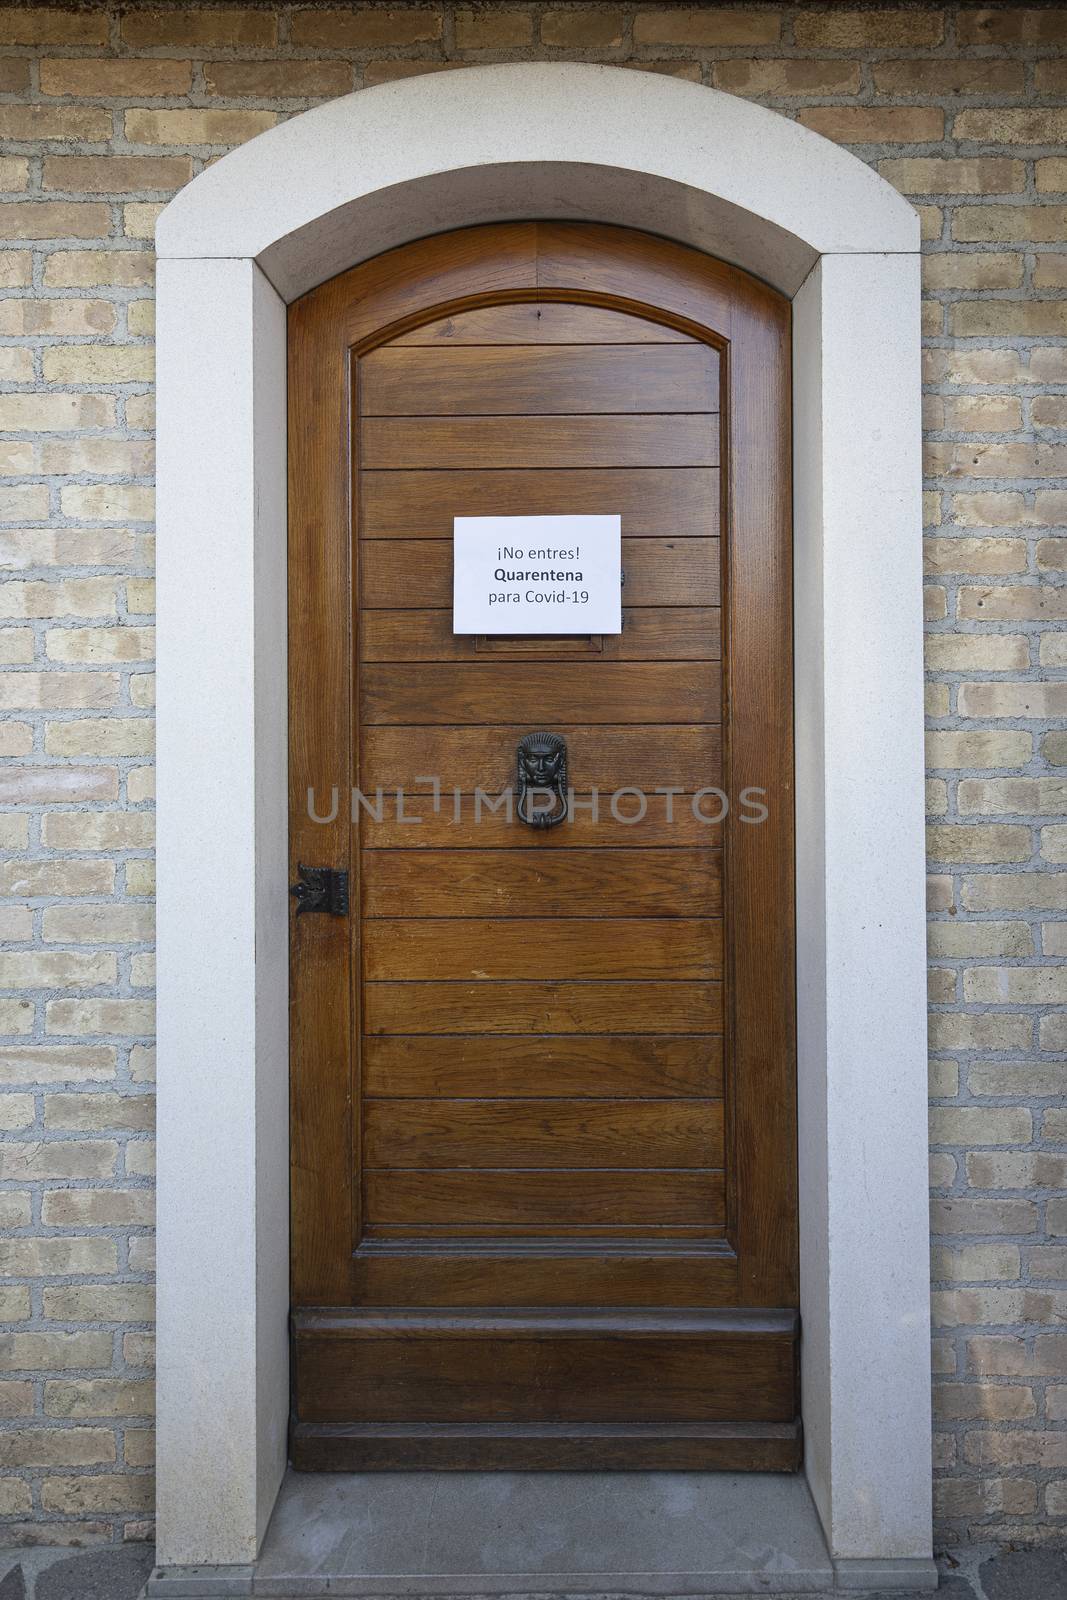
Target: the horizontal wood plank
(669, 633)
(531, 1380)
(536, 692)
(668, 821)
(558, 442)
(541, 322)
(543, 1133)
(654, 502)
(606, 758)
(596, 947)
(576, 1199)
(554, 1007)
(496, 1279)
(562, 1065)
(538, 380)
(403, 574)
(525, 884)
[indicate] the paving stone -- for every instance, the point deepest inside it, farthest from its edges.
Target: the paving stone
(1024, 1575)
(118, 1574)
(13, 1584)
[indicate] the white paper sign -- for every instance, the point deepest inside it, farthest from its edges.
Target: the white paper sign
(537, 575)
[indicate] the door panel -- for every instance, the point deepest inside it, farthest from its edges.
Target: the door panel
(543, 1098)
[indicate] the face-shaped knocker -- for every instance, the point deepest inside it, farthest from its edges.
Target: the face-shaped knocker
(542, 761)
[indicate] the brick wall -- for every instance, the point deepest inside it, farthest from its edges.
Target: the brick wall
(104, 113)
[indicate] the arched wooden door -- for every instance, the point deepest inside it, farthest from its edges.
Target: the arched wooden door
(543, 1081)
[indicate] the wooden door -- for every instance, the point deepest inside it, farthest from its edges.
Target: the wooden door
(543, 1102)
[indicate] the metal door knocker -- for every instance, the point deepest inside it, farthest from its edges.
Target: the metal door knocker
(542, 764)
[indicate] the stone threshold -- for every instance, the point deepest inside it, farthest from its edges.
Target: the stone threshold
(542, 1533)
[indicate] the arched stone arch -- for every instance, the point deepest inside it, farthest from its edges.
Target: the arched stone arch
(314, 196)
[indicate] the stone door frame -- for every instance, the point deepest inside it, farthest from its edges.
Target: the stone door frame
(312, 197)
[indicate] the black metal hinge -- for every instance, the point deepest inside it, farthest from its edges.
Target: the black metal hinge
(321, 889)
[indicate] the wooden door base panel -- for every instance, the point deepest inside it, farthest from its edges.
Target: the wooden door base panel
(563, 1447)
(510, 1388)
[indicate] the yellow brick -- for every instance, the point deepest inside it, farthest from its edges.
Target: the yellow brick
(1050, 506)
(366, 26)
(1050, 272)
(935, 697)
(16, 366)
(58, 691)
(110, 830)
(952, 175)
(974, 555)
(98, 1016)
(950, 269)
(1011, 125)
(996, 224)
(69, 597)
(66, 547)
(57, 1447)
(114, 1491)
(583, 30)
(139, 219)
(1051, 175)
(1012, 26)
(1049, 411)
(189, 25)
(16, 1016)
(94, 1112)
(52, 1352)
(17, 456)
(52, 785)
(938, 76)
(37, 413)
(977, 652)
(786, 78)
(1021, 603)
(53, 1063)
(50, 1258)
(876, 125)
(391, 71)
(94, 1208)
(1019, 796)
(141, 877)
(98, 924)
(990, 510)
(24, 503)
(1054, 843)
(143, 690)
(278, 80)
(27, 879)
(493, 29)
(196, 127)
(54, 969)
(979, 459)
(16, 269)
(16, 646)
(54, 219)
(58, 1160)
(84, 269)
(983, 366)
(976, 1263)
(141, 1158)
(140, 784)
(1008, 318)
(141, 596)
(1054, 649)
(131, 458)
(84, 363)
(1016, 891)
(34, 124)
(143, 971)
(16, 738)
(114, 174)
(93, 78)
(91, 736)
(956, 940)
(1043, 700)
(44, 25)
(16, 1113)
(109, 502)
(956, 842)
(931, 222)
(1027, 986)
(141, 318)
(90, 1302)
(710, 27)
(139, 1444)
(878, 30)
(27, 317)
(100, 644)
(932, 319)
(14, 174)
(14, 1307)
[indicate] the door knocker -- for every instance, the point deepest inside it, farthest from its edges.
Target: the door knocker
(542, 764)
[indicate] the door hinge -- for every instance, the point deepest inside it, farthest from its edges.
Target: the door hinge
(321, 889)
